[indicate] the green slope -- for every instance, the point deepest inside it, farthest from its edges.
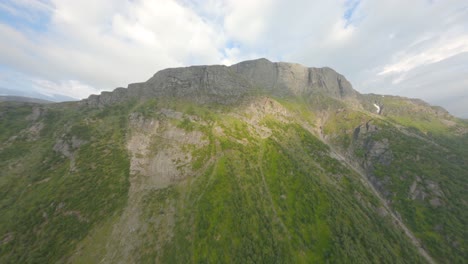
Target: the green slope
(165, 181)
(46, 207)
(421, 168)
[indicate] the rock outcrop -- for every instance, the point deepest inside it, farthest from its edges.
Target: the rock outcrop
(283, 79)
(227, 85)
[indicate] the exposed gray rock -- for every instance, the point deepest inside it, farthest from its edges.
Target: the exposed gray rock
(156, 148)
(417, 192)
(171, 113)
(68, 147)
(380, 151)
(36, 113)
(282, 79)
(364, 129)
(380, 184)
(33, 132)
(426, 190)
(374, 152)
(435, 202)
(227, 85)
(63, 147)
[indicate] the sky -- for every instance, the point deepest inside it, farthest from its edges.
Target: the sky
(68, 49)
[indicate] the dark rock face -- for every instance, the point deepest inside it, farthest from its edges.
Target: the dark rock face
(422, 189)
(379, 151)
(226, 85)
(282, 78)
(375, 152)
(364, 129)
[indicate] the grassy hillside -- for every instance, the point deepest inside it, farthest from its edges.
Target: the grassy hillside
(166, 181)
(48, 202)
(418, 161)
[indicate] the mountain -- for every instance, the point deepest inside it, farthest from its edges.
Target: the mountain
(256, 162)
(227, 85)
(18, 93)
(23, 99)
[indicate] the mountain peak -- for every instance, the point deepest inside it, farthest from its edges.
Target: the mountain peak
(227, 85)
(316, 176)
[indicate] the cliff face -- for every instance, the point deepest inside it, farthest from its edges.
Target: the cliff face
(227, 85)
(284, 79)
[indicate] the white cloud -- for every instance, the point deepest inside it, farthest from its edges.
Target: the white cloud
(438, 51)
(111, 43)
(246, 21)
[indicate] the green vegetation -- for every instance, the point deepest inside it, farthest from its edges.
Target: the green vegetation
(14, 118)
(341, 125)
(438, 226)
(264, 191)
(48, 203)
(425, 179)
(271, 201)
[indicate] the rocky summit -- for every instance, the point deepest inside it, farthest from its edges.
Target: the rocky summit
(258, 162)
(227, 85)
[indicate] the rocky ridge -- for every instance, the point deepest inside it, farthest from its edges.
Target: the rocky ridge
(226, 85)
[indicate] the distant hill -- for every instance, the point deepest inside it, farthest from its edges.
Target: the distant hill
(10, 98)
(33, 94)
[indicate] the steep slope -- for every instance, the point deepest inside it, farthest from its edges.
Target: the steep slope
(416, 157)
(61, 172)
(257, 162)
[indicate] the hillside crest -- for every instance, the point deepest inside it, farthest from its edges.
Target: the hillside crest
(227, 84)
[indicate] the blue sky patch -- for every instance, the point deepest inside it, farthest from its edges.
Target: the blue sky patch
(25, 18)
(351, 6)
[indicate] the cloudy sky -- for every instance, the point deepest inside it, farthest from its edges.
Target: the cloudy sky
(65, 49)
